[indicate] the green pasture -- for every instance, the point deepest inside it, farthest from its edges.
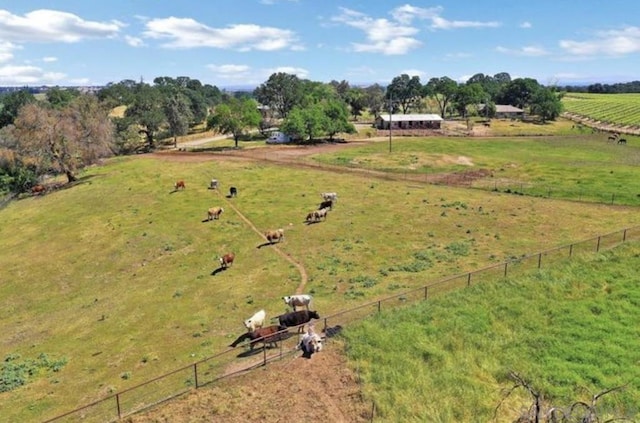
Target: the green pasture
(582, 167)
(616, 109)
(114, 275)
(570, 331)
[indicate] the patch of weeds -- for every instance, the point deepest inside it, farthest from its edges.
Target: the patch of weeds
(177, 294)
(168, 247)
(125, 376)
(383, 272)
(348, 247)
(430, 234)
(353, 294)
(364, 281)
(15, 372)
(197, 335)
(458, 248)
(456, 204)
(395, 287)
(249, 299)
(206, 343)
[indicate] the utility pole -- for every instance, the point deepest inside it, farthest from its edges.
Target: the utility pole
(390, 120)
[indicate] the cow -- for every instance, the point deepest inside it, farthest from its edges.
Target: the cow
(300, 300)
(214, 184)
(622, 141)
(273, 236)
(311, 217)
(333, 196)
(297, 318)
(269, 335)
(179, 185)
(310, 342)
(327, 204)
(38, 189)
(214, 213)
(233, 192)
(321, 214)
(227, 260)
(256, 321)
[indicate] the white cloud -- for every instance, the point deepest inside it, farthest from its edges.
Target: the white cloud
(6, 51)
(457, 56)
(407, 13)
(526, 25)
(616, 42)
(384, 36)
(531, 51)
(134, 41)
(270, 2)
(187, 33)
(49, 59)
(27, 75)
(414, 72)
(299, 72)
(46, 26)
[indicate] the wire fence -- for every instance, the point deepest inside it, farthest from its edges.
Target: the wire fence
(230, 362)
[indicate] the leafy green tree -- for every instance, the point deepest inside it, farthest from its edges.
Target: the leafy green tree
(235, 117)
(118, 94)
(65, 139)
(356, 99)
(146, 110)
(374, 99)
(178, 113)
(337, 118)
(405, 91)
(11, 103)
(546, 103)
(443, 91)
(61, 97)
(308, 122)
(519, 92)
(468, 94)
(282, 92)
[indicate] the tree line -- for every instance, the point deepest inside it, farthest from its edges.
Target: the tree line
(65, 130)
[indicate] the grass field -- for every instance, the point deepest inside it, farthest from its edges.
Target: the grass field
(570, 331)
(574, 167)
(114, 274)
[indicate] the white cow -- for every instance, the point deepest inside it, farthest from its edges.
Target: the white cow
(310, 342)
(300, 300)
(333, 196)
(256, 321)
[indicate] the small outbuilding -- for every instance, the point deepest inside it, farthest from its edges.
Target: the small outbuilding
(504, 111)
(409, 121)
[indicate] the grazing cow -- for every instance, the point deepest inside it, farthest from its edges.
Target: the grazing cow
(310, 342)
(38, 189)
(613, 138)
(327, 204)
(311, 217)
(321, 214)
(179, 185)
(300, 300)
(227, 260)
(330, 196)
(622, 141)
(214, 184)
(273, 236)
(270, 335)
(214, 213)
(233, 192)
(297, 318)
(256, 321)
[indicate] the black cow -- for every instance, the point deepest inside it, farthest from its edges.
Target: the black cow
(327, 204)
(233, 192)
(297, 318)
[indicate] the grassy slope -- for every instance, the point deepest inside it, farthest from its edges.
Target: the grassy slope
(115, 273)
(571, 331)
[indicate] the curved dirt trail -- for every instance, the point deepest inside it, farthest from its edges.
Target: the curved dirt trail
(303, 273)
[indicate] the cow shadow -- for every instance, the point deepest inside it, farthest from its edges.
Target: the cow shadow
(249, 353)
(264, 244)
(218, 270)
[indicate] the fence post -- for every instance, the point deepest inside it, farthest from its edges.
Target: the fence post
(505, 269)
(539, 260)
(379, 306)
(570, 250)
(118, 406)
(426, 292)
(195, 373)
(325, 325)
(264, 352)
(613, 196)
(598, 245)
(624, 235)
(469, 279)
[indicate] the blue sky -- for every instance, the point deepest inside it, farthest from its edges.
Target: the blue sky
(231, 43)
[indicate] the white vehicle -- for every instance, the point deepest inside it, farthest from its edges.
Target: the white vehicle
(279, 138)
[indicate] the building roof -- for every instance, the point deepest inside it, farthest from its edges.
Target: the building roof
(411, 117)
(503, 108)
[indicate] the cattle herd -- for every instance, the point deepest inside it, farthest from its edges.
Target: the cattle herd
(310, 342)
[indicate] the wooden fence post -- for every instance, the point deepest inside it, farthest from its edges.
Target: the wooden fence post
(195, 373)
(118, 406)
(505, 269)
(570, 250)
(426, 292)
(539, 260)
(598, 245)
(624, 235)
(469, 279)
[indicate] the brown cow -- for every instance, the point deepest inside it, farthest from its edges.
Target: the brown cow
(214, 213)
(179, 185)
(38, 189)
(269, 335)
(273, 236)
(227, 260)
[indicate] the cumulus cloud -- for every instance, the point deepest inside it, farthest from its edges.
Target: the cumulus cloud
(526, 25)
(6, 51)
(397, 35)
(134, 41)
(49, 59)
(615, 42)
(46, 26)
(27, 75)
(531, 51)
(185, 33)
